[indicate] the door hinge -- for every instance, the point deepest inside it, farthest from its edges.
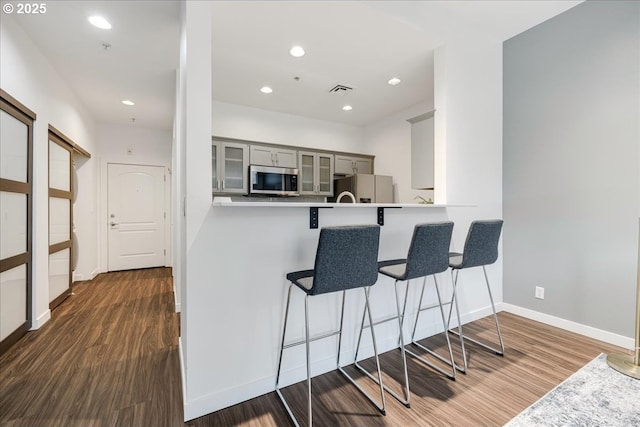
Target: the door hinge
(165, 215)
(165, 252)
(165, 178)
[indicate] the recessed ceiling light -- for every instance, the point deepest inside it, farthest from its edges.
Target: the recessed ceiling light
(394, 81)
(127, 102)
(266, 89)
(347, 108)
(297, 51)
(100, 22)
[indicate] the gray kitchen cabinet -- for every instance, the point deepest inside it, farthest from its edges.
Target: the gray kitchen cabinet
(229, 162)
(315, 173)
(273, 156)
(348, 165)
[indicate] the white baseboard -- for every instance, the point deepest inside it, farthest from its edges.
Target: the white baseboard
(80, 277)
(175, 299)
(183, 377)
(225, 398)
(41, 320)
(568, 325)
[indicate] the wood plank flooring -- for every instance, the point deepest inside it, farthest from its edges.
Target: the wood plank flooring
(109, 357)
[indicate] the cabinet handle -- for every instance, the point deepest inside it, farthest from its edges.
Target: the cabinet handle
(223, 184)
(276, 159)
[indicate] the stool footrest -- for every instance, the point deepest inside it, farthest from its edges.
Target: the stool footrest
(377, 322)
(429, 307)
(319, 337)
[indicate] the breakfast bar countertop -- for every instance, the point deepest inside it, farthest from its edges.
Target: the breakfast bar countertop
(226, 201)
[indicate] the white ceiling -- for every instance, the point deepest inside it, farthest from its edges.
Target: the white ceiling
(140, 64)
(360, 44)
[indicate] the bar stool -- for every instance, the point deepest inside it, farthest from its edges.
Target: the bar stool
(428, 255)
(480, 249)
(346, 258)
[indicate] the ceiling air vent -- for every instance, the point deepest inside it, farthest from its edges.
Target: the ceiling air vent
(340, 89)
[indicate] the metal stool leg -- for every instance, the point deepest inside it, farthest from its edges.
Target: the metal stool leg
(405, 400)
(499, 352)
(306, 345)
(381, 408)
(344, 295)
(407, 394)
(454, 300)
(449, 362)
(284, 332)
(495, 315)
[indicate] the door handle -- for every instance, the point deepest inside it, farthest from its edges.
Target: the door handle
(113, 224)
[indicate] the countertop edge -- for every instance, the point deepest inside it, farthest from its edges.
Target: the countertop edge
(227, 203)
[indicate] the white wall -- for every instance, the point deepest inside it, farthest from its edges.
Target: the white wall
(390, 141)
(469, 116)
(132, 145)
(27, 76)
(194, 145)
(254, 124)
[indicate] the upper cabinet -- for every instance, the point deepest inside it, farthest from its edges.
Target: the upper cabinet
(422, 151)
(348, 165)
(231, 159)
(315, 173)
(229, 162)
(272, 156)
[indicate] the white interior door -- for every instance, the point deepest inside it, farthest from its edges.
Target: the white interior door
(136, 215)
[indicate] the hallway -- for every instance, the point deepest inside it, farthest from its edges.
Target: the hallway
(108, 357)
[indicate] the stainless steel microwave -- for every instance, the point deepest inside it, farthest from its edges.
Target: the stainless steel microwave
(274, 181)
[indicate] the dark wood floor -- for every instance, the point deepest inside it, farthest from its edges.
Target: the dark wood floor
(109, 357)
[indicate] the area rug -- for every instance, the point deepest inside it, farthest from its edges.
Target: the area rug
(596, 395)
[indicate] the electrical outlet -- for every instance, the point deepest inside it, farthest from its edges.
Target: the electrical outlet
(539, 292)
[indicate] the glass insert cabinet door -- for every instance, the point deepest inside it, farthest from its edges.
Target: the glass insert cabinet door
(215, 183)
(233, 168)
(229, 163)
(316, 173)
(325, 174)
(307, 173)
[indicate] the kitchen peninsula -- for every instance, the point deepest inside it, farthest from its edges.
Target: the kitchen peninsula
(259, 243)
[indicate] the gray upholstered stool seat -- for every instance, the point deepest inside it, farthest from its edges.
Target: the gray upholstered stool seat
(302, 279)
(480, 250)
(428, 255)
(346, 258)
